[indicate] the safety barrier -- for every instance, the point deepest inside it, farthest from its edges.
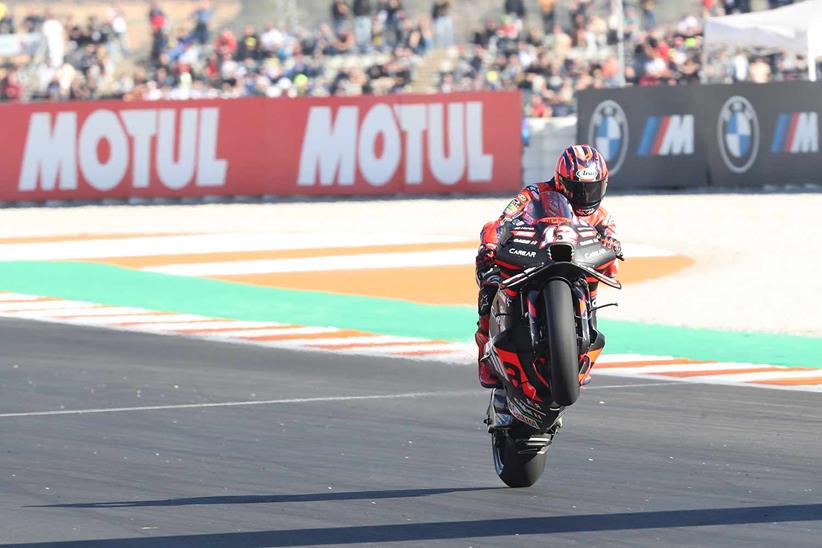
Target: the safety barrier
(545, 140)
(653, 137)
(414, 144)
(722, 135)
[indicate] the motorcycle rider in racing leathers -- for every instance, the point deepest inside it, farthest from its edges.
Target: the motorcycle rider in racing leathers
(581, 175)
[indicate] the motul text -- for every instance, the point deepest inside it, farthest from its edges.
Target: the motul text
(56, 150)
(448, 136)
(258, 146)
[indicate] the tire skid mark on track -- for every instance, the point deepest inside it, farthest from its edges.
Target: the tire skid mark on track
(338, 340)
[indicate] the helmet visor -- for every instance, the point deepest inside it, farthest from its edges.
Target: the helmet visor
(586, 194)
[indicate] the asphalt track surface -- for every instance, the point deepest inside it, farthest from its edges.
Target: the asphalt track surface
(638, 464)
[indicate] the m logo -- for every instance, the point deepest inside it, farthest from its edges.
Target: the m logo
(738, 134)
(608, 132)
(796, 133)
(667, 136)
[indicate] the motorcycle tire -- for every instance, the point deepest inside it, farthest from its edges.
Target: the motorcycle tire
(516, 469)
(562, 343)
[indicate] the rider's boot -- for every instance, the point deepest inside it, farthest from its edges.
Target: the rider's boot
(487, 376)
(488, 281)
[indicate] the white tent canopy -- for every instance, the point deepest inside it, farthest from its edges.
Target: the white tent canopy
(796, 28)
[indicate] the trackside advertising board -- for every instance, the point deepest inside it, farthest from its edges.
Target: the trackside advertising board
(723, 135)
(326, 146)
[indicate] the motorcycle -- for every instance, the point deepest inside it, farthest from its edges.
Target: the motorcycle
(543, 336)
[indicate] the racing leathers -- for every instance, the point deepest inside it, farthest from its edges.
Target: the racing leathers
(487, 274)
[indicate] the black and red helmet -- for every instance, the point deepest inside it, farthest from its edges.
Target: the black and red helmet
(582, 175)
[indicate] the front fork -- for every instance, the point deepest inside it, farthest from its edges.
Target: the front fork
(532, 308)
(585, 321)
(587, 331)
(584, 317)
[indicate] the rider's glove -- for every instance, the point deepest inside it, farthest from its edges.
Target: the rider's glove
(487, 277)
(486, 258)
(613, 244)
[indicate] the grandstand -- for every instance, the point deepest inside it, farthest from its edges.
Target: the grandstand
(274, 48)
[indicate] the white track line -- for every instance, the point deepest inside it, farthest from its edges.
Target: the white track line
(763, 376)
(211, 327)
(637, 385)
(44, 305)
(255, 333)
(453, 358)
(333, 344)
(608, 358)
(102, 311)
(322, 399)
(204, 243)
(405, 259)
(444, 347)
(678, 368)
(407, 395)
(70, 314)
(18, 297)
(140, 320)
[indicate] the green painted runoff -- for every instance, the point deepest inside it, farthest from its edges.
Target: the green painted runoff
(116, 286)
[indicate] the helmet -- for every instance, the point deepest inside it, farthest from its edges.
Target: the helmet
(582, 175)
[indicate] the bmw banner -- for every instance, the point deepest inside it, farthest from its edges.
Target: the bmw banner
(722, 135)
(649, 136)
(763, 133)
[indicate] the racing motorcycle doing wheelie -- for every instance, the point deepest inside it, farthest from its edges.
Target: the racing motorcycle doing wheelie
(542, 331)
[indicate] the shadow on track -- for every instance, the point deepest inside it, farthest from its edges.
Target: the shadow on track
(469, 529)
(271, 499)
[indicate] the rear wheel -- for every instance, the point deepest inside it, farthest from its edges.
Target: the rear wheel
(562, 342)
(517, 465)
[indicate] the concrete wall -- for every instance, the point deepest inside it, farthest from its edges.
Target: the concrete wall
(548, 137)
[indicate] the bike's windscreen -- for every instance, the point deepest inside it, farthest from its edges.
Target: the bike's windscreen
(521, 237)
(553, 208)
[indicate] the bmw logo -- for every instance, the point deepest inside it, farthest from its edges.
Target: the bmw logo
(608, 132)
(738, 129)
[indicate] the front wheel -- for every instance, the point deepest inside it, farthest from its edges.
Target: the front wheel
(517, 464)
(562, 342)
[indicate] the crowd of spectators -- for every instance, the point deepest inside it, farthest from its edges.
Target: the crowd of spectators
(68, 59)
(378, 46)
(550, 61)
(273, 61)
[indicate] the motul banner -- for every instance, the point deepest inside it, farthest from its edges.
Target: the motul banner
(258, 146)
(414, 144)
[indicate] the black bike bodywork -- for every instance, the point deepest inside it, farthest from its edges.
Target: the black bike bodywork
(543, 324)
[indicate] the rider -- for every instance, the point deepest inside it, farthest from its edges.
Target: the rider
(582, 176)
